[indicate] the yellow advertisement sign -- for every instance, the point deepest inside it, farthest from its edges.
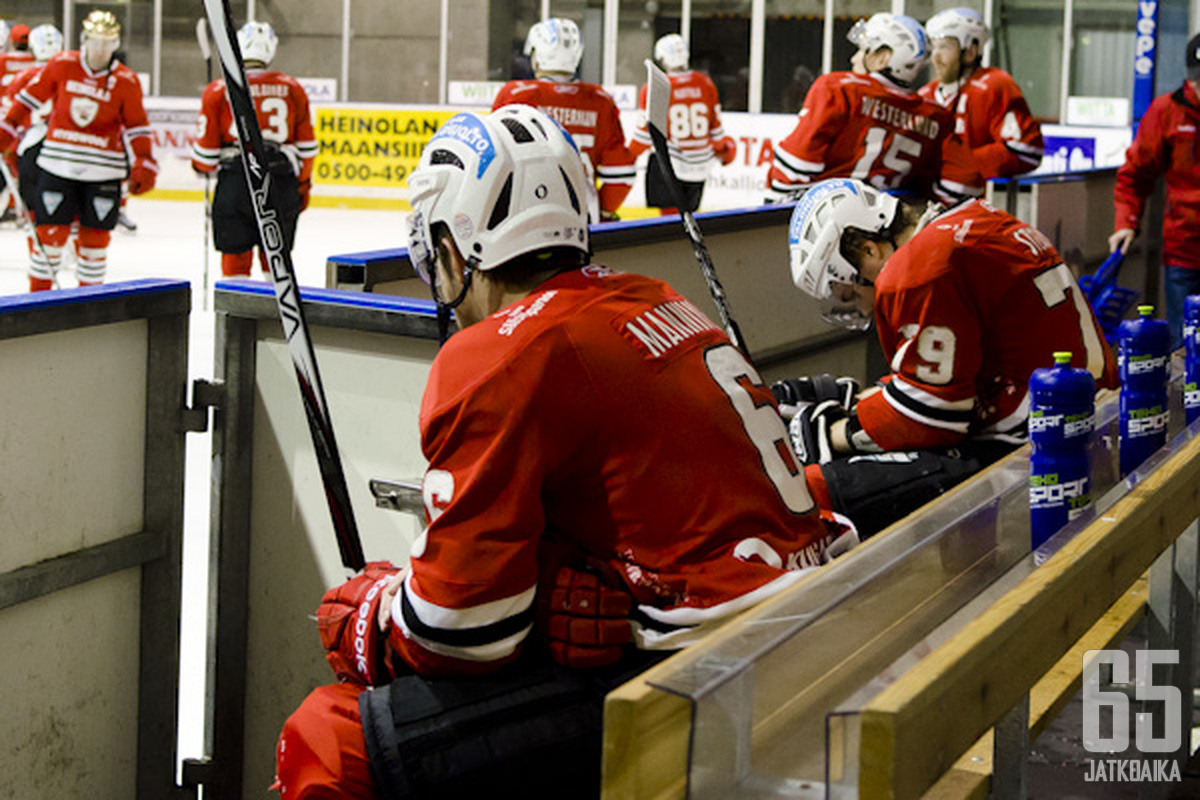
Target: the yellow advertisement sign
(371, 146)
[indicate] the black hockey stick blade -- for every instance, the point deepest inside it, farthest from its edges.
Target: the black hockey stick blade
(287, 295)
(658, 101)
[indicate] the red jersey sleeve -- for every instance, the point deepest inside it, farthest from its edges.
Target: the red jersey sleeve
(1014, 145)
(611, 157)
(1145, 160)
(640, 141)
(302, 135)
(800, 158)
(133, 114)
(206, 149)
(38, 91)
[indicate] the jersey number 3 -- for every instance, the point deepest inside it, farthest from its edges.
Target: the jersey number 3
(763, 425)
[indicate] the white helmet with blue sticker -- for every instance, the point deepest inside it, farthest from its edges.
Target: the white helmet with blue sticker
(815, 234)
(903, 35)
(554, 45)
(504, 184)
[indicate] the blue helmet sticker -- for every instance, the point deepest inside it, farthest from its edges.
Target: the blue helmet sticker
(917, 31)
(811, 198)
(470, 130)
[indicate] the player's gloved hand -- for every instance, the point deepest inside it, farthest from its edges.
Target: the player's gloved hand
(587, 621)
(725, 149)
(811, 431)
(348, 619)
(305, 191)
(793, 393)
(609, 216)
(142, 175)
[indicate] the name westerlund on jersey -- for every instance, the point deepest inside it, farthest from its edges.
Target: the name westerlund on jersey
(876, 108)
(662, 328)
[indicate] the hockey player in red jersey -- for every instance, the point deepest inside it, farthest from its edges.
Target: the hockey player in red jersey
(1168, 145)
(281, 105)
(97, 110)
(994, 135)
(868, 124)
(968, 302)
(694, 136)
(18, 58)
(589, 114)
(608, 479)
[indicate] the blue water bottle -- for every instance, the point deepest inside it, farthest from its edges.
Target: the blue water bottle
(1061, 414)
(1191, 361)
(1142, 355)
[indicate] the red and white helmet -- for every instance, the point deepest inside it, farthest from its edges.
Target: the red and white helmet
(504, 184)
(554, 45)
(258, 42)
(672, 52)
(44, 42)
(815, 234)
(963, 24)
(903, 35)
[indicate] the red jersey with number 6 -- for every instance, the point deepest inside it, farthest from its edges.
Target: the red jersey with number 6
(865, 127)
(281, 105)
(606, 413)
(966, 310)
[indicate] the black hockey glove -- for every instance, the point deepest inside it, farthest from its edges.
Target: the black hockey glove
(810, 431)
(793, 393)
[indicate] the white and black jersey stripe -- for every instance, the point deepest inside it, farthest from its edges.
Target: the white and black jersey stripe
(929, 409)
(1029, 154)
(624, 174)
(486, 632)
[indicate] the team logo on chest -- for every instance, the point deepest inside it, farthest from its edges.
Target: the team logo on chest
(83, 111)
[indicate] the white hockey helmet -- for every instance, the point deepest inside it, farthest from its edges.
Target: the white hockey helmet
(672, 52)
(504, 184)
(554, 45)
(815, 236)
(258, 42)
(44, 42)
(962, 24)
(903, 35)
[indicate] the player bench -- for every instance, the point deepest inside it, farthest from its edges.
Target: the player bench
(875, 674)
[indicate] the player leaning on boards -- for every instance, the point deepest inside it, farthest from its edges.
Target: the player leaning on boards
(695, 134)
(995, 135)
(589, 114)
(869, 123)
(281, 105)
(598, 453)
(968, 302)
(97, 112)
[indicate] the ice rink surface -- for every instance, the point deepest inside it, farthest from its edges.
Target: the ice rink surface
(169, 243)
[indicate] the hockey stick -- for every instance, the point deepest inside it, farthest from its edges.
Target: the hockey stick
(291, 311)
(206, 51)
(658, 100)
(23, 212)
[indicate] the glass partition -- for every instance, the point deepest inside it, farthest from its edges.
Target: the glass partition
(1028, 42)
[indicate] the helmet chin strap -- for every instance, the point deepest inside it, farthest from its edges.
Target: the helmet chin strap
(444, 308)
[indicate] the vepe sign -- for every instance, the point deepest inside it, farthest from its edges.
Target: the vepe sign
(1144, 53)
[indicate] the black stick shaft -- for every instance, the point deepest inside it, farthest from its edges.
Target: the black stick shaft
(287, 295)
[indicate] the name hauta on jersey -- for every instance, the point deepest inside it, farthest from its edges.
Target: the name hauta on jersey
(565, 116)
(666, 325)
(875, 108)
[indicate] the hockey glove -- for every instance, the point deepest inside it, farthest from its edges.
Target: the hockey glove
(586, 622)
(348, 621)
(811, 430)
(725, 150)
(793, 393)
(142, 175)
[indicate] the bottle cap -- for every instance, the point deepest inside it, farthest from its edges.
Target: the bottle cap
(1062, 357)
(1145, 311)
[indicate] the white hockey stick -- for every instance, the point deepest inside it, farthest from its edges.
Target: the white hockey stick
(206, 51)
(14, 188)
(658, 100)
(287, 295)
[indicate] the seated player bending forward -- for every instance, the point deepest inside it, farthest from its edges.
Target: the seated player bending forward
(968, 302)
(608, 479)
